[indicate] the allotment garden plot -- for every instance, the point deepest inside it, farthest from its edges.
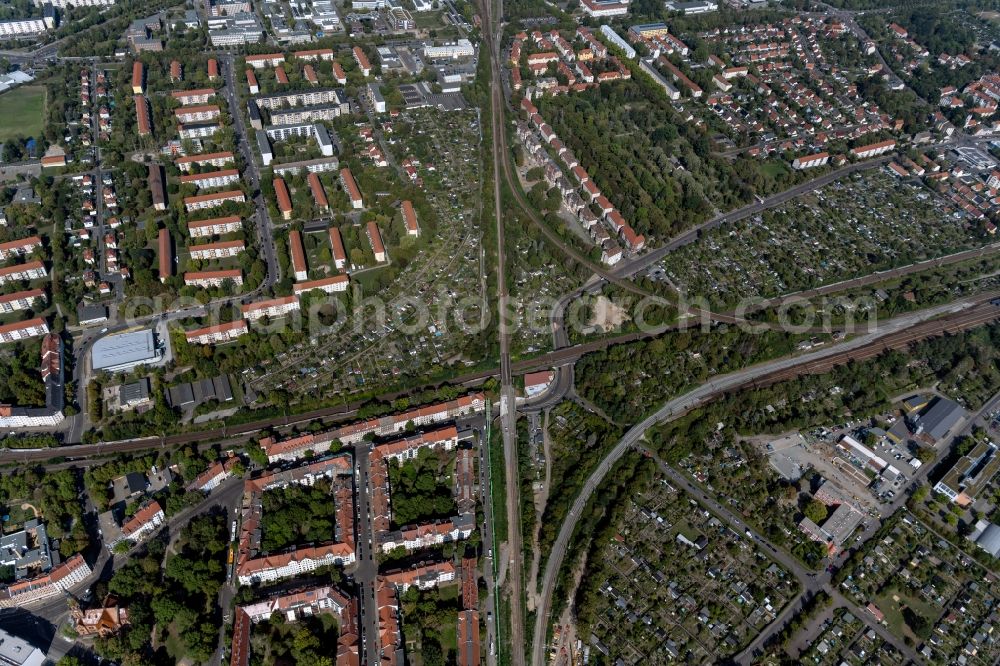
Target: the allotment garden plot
(849, 228)
(680, 585)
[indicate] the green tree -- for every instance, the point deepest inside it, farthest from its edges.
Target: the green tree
(815, 511)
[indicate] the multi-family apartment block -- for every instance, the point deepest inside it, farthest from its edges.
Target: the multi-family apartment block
(213, 159)
(319, 194)
(197, 113)
(213, 278)
(198, 130)
(212, 178)
(305, 114)
(410, 219)
(382, 427)
(31, 270)
(61, 578)
(22, 330)
(212, 200)
(329, 285)
(375, 238)
(285, 207)
(873, 149)
(211, 335)
(254, 567)
(142, 121)
(362, 60)
(215, 226)
(19, 248)
(166, 254)
(20, 300)
(218, 250)
(311, 97)
(351, 188)
(216, 473)
(143, 523)
(337, 245)
(272, 308)
(265, 60)
(138, 78)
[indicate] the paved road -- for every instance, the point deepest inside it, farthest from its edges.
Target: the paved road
(367, 568)
(669, 411)
(265, 230)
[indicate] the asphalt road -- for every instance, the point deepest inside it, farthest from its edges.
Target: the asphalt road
(367, 568)
(265, 231)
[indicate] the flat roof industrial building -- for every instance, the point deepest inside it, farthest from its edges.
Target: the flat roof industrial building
(125, 351)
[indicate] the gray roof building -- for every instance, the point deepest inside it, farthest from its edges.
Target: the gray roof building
(134, 393)
(125, 351)
(16, 651)
(940, 418)
(91, 314)
(987, 536)
(27, 551)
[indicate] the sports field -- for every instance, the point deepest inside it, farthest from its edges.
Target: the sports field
(22, 112)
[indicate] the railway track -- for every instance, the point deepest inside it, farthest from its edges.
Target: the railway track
(977, 316)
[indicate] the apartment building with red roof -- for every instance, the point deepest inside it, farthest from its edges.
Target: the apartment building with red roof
(213, 69)
(219, 159)
(143, 523)
(280, 75)
(30, 270)
(253, 567)
(213, 278)
(61, 578)
(272, 308)
(197, 113)
(19, 248)
(138, 78)
(252, 82)
(424, 577)
(319, 194)
(329, 285)
(203, 201)
(310, 75)
(219, 250)
(190, 97)
(142, 115)
(338, 73)
(385, 426)
(299, 269)
(810, 161)
(410, 218)
(873, 149)
(390, 638)
(265, 60)
(210, 335)
(284, 200)
(22, 330)
(215, 226)
(314, 54)
(351, 188)
(20, 300)
(375, 238)
(337, 246)
(362, 60)
(468, 639)
(210, 179)
(166, 255)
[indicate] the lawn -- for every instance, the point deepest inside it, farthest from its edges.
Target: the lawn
(886, 602)
(23, 112)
